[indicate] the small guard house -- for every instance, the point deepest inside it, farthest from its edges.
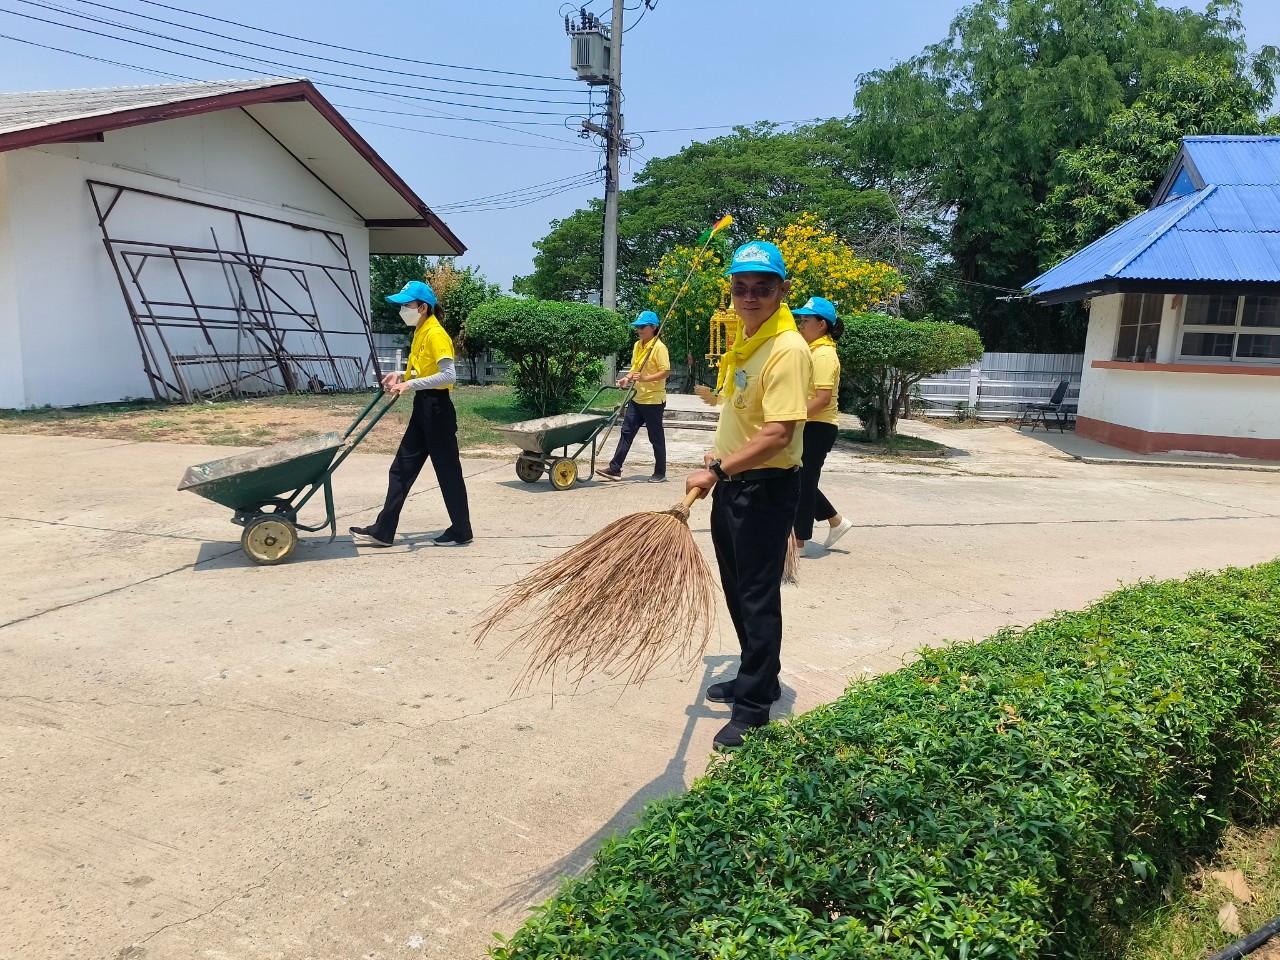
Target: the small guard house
(1183, 345)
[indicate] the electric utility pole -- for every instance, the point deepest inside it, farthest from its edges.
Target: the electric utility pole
(596, 55)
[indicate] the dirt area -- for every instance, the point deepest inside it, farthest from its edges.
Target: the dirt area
(1238, 891)
(259, 422)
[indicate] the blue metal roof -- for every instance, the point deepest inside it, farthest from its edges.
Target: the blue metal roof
(1226, 232)
(1235, 160)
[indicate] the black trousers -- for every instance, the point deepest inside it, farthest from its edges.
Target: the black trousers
(750, 523)
(432, 433)
(649, 414)
(819, 438)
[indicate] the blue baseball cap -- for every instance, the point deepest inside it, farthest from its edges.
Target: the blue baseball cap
(646, 319)
(817, 307)
(758, 256)
(414, 290)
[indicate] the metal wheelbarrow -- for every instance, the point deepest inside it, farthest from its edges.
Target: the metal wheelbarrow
(540, 439)
(267, 488)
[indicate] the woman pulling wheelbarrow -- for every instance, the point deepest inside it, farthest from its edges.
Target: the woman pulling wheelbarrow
(433, 427)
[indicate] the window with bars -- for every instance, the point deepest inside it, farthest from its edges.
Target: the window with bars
(1139, 327)
(1222, 327)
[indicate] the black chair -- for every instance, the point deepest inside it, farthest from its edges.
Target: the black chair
(1038, 413)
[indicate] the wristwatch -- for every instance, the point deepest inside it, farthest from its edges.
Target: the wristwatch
(714, 467)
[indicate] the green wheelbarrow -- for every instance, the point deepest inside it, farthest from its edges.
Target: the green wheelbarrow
(267, 488)
(545, 443)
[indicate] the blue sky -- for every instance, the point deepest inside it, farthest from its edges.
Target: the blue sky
(686, 64)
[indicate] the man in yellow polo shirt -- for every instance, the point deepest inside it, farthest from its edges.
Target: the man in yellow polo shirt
(650, 367)
(753, 475)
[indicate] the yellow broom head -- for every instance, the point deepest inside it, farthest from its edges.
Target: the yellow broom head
(634, 596)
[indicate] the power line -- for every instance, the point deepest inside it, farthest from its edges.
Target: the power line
(523, 203)
(88, 56)
(433, 133)
(292, 66)
(395, 55)
(511, 194)
(315, 56)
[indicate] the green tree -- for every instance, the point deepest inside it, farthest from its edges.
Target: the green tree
(760, 174)
(983, 115)
(1114, 177)
(387, 274)
(463, 297)
(554, 348)
(883, 357)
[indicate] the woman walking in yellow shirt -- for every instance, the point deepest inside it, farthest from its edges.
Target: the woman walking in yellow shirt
(650, 367)
(432, 432)
(819, 325)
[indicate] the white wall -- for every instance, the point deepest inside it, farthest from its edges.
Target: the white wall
(1208, 404)
(78, 344)
(11, 381)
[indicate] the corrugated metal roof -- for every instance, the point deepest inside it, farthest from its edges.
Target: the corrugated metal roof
(1229, 231)
(1235, 160)
(40, 108)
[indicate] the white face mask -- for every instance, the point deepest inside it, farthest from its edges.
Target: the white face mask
(409, 314)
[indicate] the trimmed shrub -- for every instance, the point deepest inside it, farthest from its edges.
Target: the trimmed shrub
(554, 348)
(1019, 797)
(882, 357)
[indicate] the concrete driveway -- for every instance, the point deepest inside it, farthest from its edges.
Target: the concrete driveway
(201, 758)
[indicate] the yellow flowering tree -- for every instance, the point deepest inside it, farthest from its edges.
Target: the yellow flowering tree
(820, 264)
(687, 330)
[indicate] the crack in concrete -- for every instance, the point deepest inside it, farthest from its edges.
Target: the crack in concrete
(244, 891)
(85, 526)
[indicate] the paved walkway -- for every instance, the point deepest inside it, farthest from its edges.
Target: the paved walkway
(201, 758)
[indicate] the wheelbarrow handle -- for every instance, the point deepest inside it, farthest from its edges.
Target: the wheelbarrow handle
(364, 425)
(378, 395)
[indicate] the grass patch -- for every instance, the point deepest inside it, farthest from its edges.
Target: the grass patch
(1187, 928)
(900, 445)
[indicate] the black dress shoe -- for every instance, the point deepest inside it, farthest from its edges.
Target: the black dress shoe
(731, 734)
(723, 693)
(451, 539)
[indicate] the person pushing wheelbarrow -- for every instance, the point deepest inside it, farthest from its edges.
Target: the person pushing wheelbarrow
(432, 432)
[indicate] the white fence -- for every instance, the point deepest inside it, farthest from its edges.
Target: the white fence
(393, 351)
(999, 385)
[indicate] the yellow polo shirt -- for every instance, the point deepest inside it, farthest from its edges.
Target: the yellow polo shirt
(659, 361)
(773, 386)
(826, 376)
(430, 345)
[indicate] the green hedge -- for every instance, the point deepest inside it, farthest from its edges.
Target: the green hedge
(1019, 797)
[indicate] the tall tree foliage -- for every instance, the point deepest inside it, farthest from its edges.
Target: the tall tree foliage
(1114, 177)
(984, 114)
(765, 177)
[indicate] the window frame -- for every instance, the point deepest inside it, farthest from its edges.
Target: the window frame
(1235, 331)
(1158, 323)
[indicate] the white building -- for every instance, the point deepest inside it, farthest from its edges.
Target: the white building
(193, 240)
(1183, 348)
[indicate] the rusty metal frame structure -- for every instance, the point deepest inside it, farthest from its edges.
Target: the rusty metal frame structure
(262, 361)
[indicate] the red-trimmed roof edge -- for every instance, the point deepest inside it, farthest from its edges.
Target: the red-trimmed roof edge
(269, 92)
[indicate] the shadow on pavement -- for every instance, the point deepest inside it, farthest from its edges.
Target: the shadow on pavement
(669, 782)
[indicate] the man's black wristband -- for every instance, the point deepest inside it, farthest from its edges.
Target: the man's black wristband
(714, 467)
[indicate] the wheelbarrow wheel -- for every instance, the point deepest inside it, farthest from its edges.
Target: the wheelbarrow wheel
(564, 473)
(528, 469)
(269, 538)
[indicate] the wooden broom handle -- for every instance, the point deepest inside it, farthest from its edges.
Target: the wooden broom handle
(692, 497)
